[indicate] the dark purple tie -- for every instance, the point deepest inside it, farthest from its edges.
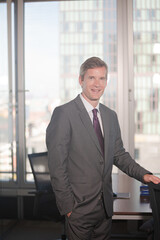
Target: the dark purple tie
(97, 129)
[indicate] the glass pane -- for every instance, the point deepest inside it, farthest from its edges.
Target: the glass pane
(147, 83)
(7, 110)
(59, 36)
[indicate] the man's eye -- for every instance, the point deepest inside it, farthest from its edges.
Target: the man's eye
(91, 77)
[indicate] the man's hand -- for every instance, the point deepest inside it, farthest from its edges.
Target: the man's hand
(69, 214)
(151, 178)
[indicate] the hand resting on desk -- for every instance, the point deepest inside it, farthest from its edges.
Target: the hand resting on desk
(151, 178)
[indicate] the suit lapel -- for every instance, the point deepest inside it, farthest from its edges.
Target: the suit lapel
(85, 118)
(105, 123)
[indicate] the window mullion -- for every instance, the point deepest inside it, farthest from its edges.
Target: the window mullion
(125, 72)
(20, 91)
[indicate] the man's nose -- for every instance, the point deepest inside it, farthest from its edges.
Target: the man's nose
(96, 82)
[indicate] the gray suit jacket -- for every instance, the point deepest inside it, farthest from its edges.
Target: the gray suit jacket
(78, 170)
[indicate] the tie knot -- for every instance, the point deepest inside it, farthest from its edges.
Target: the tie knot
(95, 110)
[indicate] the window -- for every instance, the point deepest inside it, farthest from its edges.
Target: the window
(151, 13)
(57, 40)
(147, 87)
(53, 58)
(8, 164)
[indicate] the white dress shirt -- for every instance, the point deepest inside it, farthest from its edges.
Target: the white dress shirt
(89, 109)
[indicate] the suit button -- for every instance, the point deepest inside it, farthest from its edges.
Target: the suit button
(101, 196)
(101, 162)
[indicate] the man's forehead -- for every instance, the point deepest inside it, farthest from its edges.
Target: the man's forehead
(97, 69)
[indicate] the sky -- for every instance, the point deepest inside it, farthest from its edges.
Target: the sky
(3, 45)
(42, 47)
(41, 24)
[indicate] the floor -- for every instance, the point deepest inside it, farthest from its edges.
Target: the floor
(37, 230)
(28, 230)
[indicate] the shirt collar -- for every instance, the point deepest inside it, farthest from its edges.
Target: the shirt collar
(87, 105)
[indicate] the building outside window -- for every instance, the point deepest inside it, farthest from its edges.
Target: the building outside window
(8, 163)
(146, 26)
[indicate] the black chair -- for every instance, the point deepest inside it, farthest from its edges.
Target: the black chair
(45, 202)
(154, 190)
(152, 226)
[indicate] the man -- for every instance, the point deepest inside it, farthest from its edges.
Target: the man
(80, 160)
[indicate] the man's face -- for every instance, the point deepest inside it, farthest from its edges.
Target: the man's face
(93, 84)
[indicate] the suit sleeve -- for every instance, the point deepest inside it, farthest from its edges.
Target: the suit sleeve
(58, 136)
(123, 160)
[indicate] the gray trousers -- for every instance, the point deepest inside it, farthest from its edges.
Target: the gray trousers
(93, 226)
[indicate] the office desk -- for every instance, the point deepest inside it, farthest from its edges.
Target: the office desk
(132, 208)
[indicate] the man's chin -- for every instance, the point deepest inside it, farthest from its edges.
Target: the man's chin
(96, 98)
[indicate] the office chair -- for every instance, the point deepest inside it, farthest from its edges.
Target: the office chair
(152, 226)
(45, 202)
(154, 190)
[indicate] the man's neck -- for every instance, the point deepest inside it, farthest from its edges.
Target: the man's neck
(93, 103)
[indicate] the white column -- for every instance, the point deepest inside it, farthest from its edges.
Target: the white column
(125, 72)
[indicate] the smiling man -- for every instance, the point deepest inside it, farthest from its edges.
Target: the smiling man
(84, 141)
(93, 84)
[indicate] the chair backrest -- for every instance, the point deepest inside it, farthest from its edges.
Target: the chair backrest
(154, 190)
(39, 166)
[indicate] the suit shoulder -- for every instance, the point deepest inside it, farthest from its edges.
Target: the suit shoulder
(108, 110)
(73, 104)
(65, 108)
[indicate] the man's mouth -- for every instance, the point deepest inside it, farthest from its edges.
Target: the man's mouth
(96, 90)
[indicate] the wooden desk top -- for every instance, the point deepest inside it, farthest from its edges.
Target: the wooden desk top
(134, 207)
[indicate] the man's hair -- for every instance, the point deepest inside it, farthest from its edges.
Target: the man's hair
(90, 63)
